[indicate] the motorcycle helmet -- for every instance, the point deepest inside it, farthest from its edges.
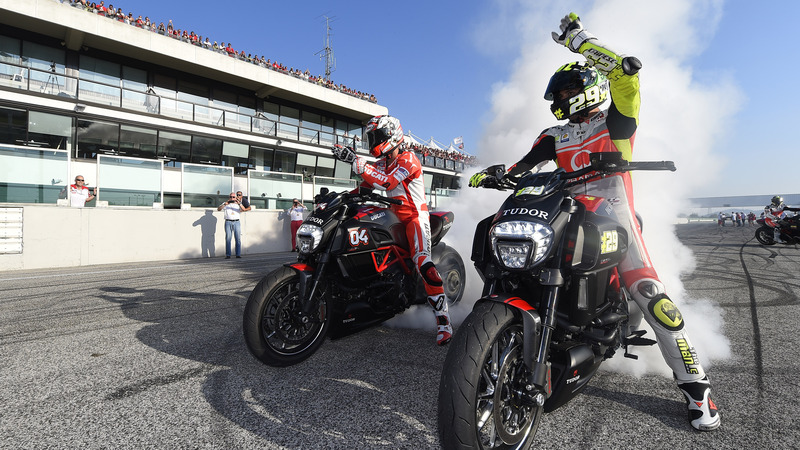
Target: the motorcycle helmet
(382, 135)
(593, 92)
(777, 200)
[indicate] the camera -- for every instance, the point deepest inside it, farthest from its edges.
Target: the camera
(231, 201)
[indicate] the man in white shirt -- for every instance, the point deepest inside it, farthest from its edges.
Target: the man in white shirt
(233, 209)
(79, 194)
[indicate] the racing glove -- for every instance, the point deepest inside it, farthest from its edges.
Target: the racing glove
(344, 154)
(359, 165)
(607, 61)
(478, 179)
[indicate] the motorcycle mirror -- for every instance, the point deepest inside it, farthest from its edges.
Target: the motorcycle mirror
(605, 159)
(497, 171)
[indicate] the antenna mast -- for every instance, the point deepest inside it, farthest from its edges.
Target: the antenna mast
(327, 52)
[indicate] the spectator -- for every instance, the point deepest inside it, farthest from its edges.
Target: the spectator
(296, 217)
(244, 201)
(233, 210)
(79, 194)
(721, 219)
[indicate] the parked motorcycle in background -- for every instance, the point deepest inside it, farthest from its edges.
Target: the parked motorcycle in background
(353, 271)
(553, 307)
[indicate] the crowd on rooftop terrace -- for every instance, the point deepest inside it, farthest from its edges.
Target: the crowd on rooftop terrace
(190, 37)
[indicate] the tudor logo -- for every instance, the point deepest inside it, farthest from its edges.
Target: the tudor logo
(580, 160)
(523, 211)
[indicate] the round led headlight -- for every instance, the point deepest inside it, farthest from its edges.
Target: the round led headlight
(308, 237)
(521, 244)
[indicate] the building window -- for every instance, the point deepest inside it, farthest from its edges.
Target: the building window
(174, 147)
(206, 150)
(137, 142)
(49, 130)
(284, 161)
(13, 126)
(95, 137)
(262, 158)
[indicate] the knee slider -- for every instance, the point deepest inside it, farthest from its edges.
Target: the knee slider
(430, 275)
(666, 313)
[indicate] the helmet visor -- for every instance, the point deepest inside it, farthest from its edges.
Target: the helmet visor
(376, 137)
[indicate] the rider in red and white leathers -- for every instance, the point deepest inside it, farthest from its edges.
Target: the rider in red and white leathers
(399, 173)
(774, 216)
(577, 90)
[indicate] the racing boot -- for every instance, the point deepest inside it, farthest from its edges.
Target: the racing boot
(777, 236)
(703, 414)
(444, 331)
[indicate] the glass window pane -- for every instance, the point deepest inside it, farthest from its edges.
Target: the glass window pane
(174, 147)
(290, 116)
(206, 150)
(193, 92)
(137, 142)
(50, 130)
(165, 86)
(262, 158)
(235, 149)
(43, 58)
(311, 120)
(13, 126)
(271, 111)
(94, 69)
(10, 50)
(135, 79)
(284, 161)
(97, 137)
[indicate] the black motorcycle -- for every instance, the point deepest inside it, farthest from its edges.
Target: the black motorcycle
(353, 271)
(553, 307)
(790, 231)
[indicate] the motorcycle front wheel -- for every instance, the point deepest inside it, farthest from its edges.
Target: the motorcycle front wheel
(276, 330)
(765, 236)
(482, 397)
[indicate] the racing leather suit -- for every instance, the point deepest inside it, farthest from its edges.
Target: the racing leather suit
(773, 215)
(402, 180)
(613, 130)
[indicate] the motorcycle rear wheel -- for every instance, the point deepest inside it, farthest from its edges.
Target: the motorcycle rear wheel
(480, 405)
(451, 269)
(274, 329)
(765, 236)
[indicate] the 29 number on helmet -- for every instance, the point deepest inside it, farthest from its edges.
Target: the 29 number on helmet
(590, 97)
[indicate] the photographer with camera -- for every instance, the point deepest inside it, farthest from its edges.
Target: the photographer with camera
(233, 209)
(296, 216)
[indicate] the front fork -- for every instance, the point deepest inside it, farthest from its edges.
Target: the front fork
(540, 367)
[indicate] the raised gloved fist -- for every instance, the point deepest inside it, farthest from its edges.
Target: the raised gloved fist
(344, 154)
(477, 179)
(359, 165)
(572, 33)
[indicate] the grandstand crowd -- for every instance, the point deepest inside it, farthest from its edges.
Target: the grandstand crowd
(190, 37)
(193, 38)
(423, 151)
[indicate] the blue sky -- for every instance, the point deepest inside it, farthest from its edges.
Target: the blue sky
(711, 91)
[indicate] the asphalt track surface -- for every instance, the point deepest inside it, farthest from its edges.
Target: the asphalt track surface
(152, 356)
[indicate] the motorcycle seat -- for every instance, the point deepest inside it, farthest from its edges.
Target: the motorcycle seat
(440, 224)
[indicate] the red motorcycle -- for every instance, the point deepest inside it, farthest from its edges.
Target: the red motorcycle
(790, 231)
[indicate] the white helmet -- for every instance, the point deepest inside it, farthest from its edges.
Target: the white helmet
(382, 135)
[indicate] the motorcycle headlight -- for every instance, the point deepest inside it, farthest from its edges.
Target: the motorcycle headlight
(308, 237)
(520, 244)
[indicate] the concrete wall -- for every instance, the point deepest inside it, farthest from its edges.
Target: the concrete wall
(57, 236)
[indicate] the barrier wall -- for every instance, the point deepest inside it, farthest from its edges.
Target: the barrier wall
(54, 236)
